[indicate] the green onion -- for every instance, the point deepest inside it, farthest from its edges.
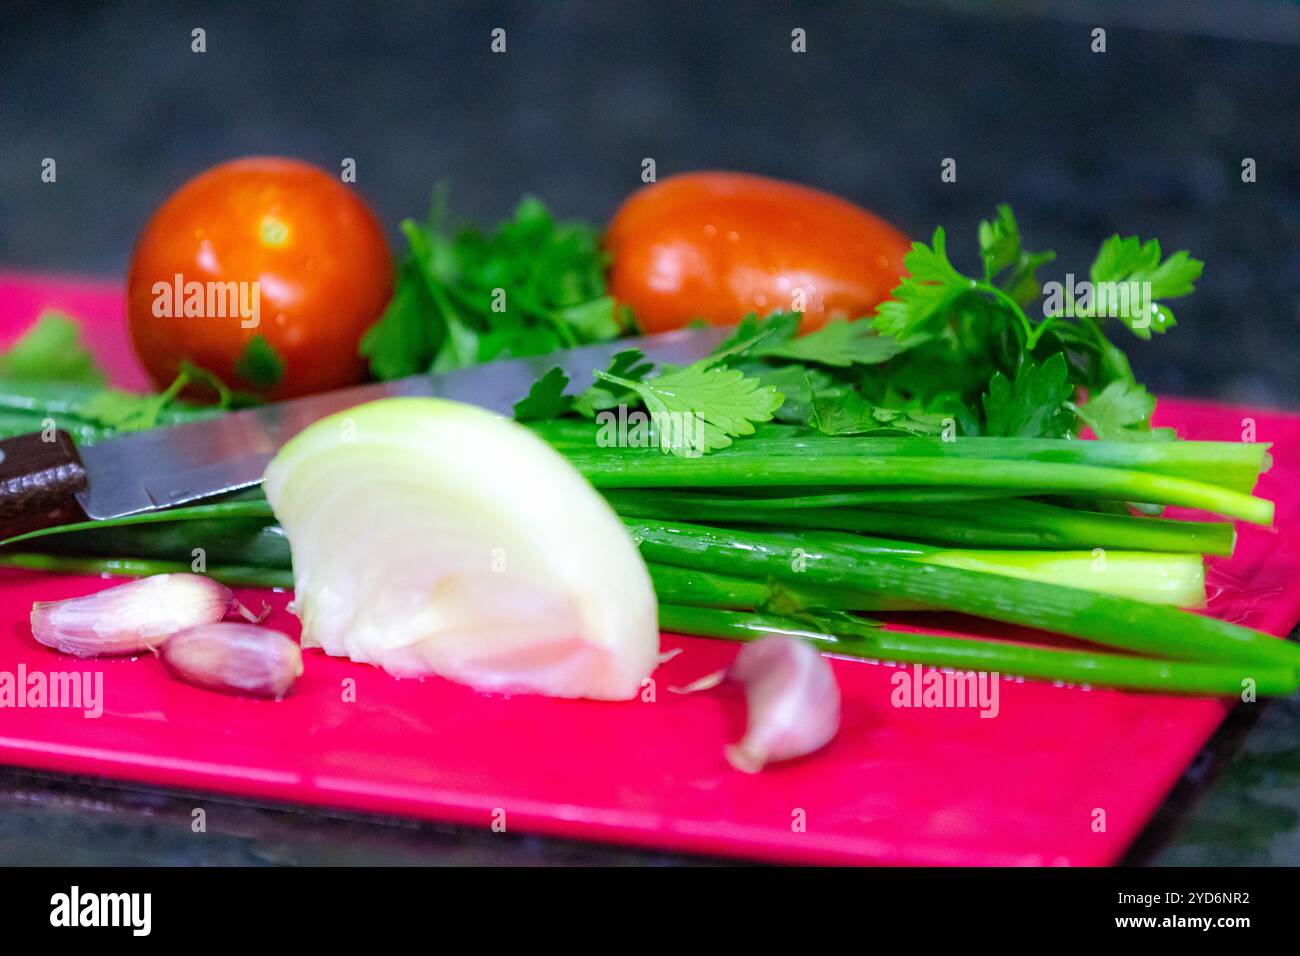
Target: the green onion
(1031, 477)
(1012, 523)
(1235, 465)
(676, 585)
(236, 575)
(829, 559)
(859, 639)
(781, 499)
(1177, 580)
(1153, 577)
(258, 508)
(915, 496)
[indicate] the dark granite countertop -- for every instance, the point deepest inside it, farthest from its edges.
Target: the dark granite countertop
(1147, 137)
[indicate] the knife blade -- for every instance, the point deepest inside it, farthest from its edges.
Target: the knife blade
(163, 467)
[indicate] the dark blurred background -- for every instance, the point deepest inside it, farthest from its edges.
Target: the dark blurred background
(1146, 138)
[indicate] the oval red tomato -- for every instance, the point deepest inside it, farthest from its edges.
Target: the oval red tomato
(259, 247)
(716, 246)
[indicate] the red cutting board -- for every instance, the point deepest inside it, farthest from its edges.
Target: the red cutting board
(1061, 775)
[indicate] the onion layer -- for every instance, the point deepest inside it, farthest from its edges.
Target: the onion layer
(431, 537)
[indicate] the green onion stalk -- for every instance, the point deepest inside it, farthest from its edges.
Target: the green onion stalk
(244, 533)
(835, 633)
(232, 574)
(718, 534)
(1029, 478)
(1234, 465)
(829, 559)
(1009, 523)
(845, 636)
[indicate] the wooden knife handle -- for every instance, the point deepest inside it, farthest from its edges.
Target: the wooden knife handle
(40, 474)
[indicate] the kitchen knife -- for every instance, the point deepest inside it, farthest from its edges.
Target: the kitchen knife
(45, 480)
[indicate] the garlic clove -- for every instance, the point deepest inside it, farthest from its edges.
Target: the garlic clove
(792, 699)
(130, 618)
(234, 658)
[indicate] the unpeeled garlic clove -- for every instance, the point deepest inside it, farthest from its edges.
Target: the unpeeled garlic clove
(234, 658)
(792, 699)
(130, 618)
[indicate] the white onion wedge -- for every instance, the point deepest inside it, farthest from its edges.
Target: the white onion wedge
(431, 537)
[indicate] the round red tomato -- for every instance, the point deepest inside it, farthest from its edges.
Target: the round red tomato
(259, 247)
(716, 246)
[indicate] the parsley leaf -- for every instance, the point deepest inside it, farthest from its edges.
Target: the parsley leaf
(1130, 260)
(124, 411)
(1032, 405)
(844, 411)
(596, 320)
(919, 304)
(259, 365)
(1001, 249)
(838, 344)
(129, 412)
(798, 383)
(1122, 412)
(404, 340)
(51, 350)
(776, 329)
(629, 364)
(546, 398)
(701, 407)
(999, 241)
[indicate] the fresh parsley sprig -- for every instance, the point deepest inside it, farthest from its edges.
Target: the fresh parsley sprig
(722, 403)
(530, 286)
(51, 350)
(49, 374)
(695, 409)
(949, 353)
(839, 343)
(1035, 363)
